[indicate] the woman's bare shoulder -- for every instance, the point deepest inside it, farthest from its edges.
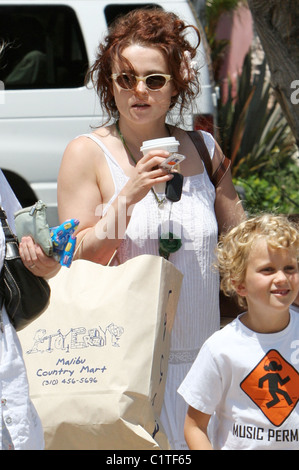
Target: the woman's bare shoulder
(83, 148)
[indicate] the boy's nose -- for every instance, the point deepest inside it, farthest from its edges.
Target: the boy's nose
(281, 277)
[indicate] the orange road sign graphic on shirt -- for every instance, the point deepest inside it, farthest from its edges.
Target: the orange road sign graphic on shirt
(273, 385)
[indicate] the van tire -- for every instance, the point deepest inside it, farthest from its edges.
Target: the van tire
(21, 188)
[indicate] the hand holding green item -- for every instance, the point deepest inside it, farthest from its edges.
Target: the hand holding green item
(58, 242)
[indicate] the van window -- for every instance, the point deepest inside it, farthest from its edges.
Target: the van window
(45, 47)
(119, 9)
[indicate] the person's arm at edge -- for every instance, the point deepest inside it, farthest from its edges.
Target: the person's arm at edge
(228, 207)
(195, 429)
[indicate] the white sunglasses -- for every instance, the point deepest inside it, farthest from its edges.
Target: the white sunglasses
(154, 81)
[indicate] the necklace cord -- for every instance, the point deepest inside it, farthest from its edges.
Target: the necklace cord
(167, 244)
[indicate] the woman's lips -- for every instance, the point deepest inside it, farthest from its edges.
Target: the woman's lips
(140, 105)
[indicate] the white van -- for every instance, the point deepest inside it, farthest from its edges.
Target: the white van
(43, 100)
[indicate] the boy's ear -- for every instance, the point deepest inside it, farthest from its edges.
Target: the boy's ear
(239, 288)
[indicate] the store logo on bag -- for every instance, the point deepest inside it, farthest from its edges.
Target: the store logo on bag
(76, 338)
(273, 385)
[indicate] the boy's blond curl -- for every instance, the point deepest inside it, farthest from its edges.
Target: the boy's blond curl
(234, 247)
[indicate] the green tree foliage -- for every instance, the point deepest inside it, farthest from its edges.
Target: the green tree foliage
(255, 135)
(253, 130)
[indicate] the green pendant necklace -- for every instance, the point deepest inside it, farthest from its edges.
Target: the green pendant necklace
(168, 243)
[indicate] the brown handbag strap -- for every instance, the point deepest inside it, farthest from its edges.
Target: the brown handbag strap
(203, 152)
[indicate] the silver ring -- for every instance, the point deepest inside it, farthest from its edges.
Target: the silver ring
(32, 266)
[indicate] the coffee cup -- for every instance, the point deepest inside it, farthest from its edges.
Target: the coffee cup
(169, 144)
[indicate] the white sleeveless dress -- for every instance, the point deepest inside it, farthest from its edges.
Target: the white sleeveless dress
(197, 317)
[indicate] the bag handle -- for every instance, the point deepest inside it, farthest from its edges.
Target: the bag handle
(203, 152)
(9, 235)
(114, 255)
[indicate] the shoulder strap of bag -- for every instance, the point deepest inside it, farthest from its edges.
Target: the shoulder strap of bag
(4, 225)
(6, 228)
(203, 152)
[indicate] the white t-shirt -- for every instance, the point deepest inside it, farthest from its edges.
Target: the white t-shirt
(294, 308)
(249, 383)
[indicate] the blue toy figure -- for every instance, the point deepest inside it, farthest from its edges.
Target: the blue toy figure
(64, 241)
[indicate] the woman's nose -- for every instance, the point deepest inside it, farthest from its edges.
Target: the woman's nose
(141, 87)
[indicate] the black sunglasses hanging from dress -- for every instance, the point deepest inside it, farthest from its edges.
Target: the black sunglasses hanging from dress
(168, 243)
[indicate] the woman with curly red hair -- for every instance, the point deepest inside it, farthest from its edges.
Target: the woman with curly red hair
(143, 69)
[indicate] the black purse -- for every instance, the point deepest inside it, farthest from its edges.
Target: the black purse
(24, 295)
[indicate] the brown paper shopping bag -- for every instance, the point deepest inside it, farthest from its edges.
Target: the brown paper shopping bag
(97, 358)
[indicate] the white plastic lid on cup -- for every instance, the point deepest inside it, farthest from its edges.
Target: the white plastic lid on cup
(170, 144)
(167, 143)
